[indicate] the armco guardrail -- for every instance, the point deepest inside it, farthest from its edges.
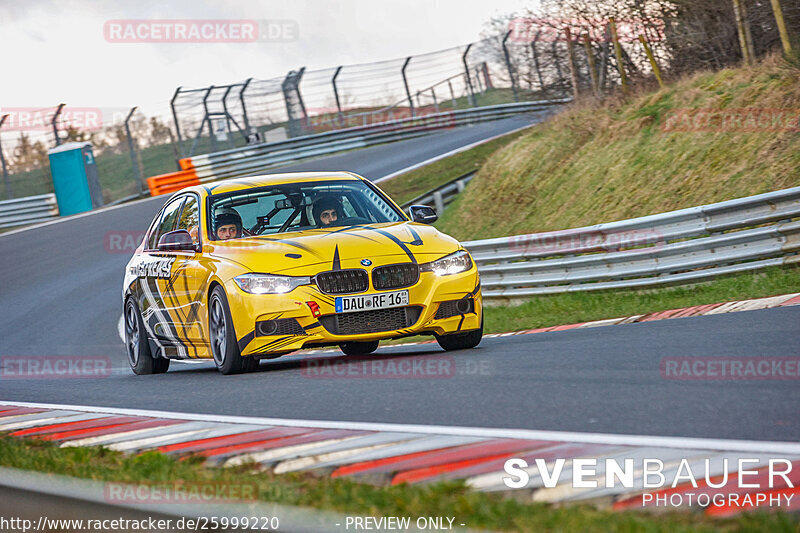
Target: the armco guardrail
(442, 195)
(688, 245)
(252, 160)
(28, 210)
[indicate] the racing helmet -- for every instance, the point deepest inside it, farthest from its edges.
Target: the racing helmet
(324, 204)
(225, 217)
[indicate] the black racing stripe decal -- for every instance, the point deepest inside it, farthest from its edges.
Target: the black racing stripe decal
(247, 339)
(172, 296)
(312, 326)
(290, 242)
(476, 289)
(274, 345)
(337, 264)
(417, 239)
(237, 182)
(152, 284)
(398, 242)
(460, 322)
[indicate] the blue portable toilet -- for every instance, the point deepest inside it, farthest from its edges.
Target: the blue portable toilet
(75, 178)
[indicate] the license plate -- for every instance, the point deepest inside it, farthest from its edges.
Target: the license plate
(368, 302)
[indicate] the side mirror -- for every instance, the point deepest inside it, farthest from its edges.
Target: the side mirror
(180, 239)
(423, 213)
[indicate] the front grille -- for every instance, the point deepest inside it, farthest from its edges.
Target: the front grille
(395, 276)
(375, 321)
(343, 281)
(283, 326)
(450, 308)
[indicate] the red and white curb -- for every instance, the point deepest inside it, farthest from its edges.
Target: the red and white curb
(391, 454)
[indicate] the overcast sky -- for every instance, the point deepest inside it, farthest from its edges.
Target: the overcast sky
(55, 50)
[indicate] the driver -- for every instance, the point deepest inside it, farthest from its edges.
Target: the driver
(327, 210)
(228, 225)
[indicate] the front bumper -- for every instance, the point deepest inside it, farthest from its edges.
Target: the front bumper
(425, 296)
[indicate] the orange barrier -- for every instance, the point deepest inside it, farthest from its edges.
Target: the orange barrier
(175, 181)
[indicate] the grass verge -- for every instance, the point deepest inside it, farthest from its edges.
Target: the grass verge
(406, 187)
(476, 510)
(640, 156)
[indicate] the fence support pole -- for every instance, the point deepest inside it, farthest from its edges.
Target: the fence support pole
(487, 80)
(745, 41)
(137, 172)
(435, 101)
(54, 123)
(612, 24)
(652, 58)
(336, 95)
(536, 60)
(573, 68)
(452, 93)
(6, 181)
(509, 67)
(470, 92)
(244, 107)
(787, 44)
(587, 44)
(175, 120)
(405, 83)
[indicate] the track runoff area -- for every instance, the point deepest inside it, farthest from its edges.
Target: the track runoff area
(616, 468)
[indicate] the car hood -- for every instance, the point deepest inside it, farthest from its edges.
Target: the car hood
(311, 251)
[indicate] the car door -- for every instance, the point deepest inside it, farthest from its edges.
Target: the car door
(186, 289)
(162, 310)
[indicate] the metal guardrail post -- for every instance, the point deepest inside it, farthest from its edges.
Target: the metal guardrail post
(452, 93)
(509, 66)
(336, 95)
(405, 83)
(137, 172)
(6, 181)
(244, 106)
(438, 201)
(175, 120)
(471, 97)
(54, 121)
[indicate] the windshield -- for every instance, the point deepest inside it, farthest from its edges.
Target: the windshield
(297, 207)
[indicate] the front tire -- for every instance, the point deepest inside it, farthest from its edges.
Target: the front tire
(224, 345)
(137, 344)
(461, 341)
(359, 348)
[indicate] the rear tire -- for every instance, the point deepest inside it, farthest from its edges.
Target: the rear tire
(224, 345)
(461, 341)
(137, 345)
(359, 348)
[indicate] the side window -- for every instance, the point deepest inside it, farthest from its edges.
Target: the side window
(167, 222)
(190, 218)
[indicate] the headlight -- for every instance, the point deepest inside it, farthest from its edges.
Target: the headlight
(450, 264)
(269, 284)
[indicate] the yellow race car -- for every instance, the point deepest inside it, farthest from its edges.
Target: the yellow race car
(255, 268)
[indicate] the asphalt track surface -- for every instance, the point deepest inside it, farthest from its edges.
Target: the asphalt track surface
(60, 295)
